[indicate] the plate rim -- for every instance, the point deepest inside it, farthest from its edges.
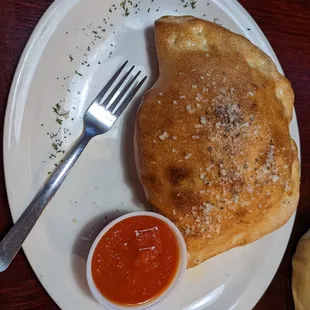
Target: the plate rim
(11, 103)
(16, 83)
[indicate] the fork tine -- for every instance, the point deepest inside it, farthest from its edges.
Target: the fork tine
(128, 98)
(122, 93)
(110, 83)
(116, 88)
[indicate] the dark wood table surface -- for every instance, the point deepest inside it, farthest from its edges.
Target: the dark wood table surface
(286, 23)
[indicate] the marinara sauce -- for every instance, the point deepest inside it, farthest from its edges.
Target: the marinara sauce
(135, 260)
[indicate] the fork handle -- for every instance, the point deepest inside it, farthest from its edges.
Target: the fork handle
(14, 239)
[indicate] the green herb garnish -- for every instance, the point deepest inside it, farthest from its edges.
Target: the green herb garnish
(53, 135)
(78, 73)
(193, 4)
(123, 6)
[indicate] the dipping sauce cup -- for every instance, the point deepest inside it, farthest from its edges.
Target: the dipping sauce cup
(136, 262)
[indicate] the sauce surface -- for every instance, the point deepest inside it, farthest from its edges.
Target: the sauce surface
(136, 260)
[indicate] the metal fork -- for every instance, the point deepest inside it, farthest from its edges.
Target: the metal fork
(98, 119)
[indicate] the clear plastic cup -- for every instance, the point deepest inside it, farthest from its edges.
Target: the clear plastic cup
(159, 300)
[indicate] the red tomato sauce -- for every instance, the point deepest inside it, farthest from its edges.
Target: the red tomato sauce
(136, 260)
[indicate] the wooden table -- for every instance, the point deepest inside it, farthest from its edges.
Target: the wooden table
(286, 23)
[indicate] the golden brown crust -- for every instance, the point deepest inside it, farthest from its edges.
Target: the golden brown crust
(212, 138)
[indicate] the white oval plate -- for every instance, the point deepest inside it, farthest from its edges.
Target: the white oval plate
(104, 182)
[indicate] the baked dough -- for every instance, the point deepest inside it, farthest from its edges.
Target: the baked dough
(301, 274)
(213, 147)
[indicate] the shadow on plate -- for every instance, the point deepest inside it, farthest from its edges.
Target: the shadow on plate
(83, 243)
(149, 35)
(128, 155)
